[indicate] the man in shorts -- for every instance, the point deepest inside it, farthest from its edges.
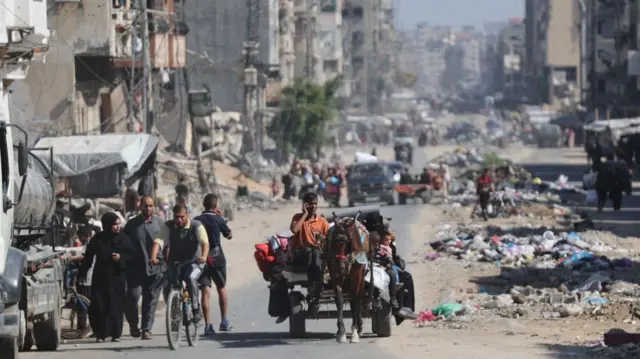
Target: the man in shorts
(216, 270)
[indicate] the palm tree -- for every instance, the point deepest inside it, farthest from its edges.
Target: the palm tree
(306, 109)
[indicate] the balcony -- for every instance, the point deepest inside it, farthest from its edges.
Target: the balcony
(167, 42)
(23, 36)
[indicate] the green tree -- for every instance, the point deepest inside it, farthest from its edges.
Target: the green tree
(306, 109)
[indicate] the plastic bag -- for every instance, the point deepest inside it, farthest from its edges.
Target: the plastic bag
(562, 180)
(592, 196)
(447, 309)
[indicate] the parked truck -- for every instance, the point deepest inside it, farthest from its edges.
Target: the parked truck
(31, 272)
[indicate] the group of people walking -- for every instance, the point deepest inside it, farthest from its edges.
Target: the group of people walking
(613, 176)
(126, 264)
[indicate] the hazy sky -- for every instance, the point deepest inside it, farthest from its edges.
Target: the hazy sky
(456, 12)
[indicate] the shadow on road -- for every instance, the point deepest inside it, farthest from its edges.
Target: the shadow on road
(267, 339)
(91, 346)
(562, 351)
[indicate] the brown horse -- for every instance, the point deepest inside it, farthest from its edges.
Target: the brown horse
(346, 250)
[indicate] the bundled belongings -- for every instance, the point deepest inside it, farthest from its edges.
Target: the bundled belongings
(270, 256)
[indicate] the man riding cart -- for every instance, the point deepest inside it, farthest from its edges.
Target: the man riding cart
(280, 261)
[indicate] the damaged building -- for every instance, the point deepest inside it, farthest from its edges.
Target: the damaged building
(82, 87)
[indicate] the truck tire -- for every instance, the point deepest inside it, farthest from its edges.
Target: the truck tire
(297, 316)
(9, 348)
(47, 333)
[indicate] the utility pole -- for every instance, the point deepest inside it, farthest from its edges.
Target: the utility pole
(250, 52)
(147, 90)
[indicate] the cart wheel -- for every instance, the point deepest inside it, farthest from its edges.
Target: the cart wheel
(383, 320)
(297, 316)
(402, 198)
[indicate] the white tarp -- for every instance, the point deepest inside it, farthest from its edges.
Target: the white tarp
(98, 166)
(76, 155)
(617, 127)
(362, 157)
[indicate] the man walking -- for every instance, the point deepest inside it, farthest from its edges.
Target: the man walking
(143, 279)
(216, 270)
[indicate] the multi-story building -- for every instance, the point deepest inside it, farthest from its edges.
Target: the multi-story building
(219, 29)
(287, 46)
(510, 57)
(83, 86)
(613, 61)
(602, 54)
(553, 51)
(329, 33)
(308, 62)
(356, 19)
(368, 51)
(471, 46)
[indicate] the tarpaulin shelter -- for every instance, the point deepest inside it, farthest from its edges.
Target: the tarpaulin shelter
(98, 166)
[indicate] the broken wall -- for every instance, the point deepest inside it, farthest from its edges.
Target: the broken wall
(43, 103)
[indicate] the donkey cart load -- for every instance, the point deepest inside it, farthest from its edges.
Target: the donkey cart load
(346, 257)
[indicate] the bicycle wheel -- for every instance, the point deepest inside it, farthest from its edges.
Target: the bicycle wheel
(72, 330)
(191, 328)
(173, 319)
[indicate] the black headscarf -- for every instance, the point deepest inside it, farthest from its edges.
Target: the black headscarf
(108, 219)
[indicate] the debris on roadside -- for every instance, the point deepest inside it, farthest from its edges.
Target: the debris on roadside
(543, 275)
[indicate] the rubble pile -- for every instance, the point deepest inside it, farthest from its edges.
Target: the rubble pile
(544, 275)
(516, 188)
(227, 181)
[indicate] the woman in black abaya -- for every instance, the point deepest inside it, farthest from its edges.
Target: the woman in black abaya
(112, 252)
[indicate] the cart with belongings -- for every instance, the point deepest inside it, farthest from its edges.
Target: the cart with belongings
(286, 299)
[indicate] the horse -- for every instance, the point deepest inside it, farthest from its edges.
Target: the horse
(346, 249)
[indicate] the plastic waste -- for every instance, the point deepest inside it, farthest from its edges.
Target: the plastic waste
(447, 309)
(576, 258)
(595, 300)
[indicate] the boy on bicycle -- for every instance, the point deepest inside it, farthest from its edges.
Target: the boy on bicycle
(184, 239)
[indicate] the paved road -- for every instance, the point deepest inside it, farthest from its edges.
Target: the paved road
(256, 333)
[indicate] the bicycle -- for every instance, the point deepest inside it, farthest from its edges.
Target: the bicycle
(179, 313)
(76, 303)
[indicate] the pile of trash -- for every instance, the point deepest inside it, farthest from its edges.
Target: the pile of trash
(546, 250)
(548, 275)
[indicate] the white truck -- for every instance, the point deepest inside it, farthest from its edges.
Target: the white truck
(31, 273)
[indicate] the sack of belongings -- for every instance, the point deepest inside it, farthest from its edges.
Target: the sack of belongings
(266, 254)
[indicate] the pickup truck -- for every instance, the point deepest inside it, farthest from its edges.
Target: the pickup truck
(372, 182)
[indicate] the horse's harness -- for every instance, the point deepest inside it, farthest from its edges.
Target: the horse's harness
(346, 261)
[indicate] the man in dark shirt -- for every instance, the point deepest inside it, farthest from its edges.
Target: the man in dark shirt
(216, 270)
(143, 279)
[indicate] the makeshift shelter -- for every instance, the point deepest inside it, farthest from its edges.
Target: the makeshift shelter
(99, 166)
